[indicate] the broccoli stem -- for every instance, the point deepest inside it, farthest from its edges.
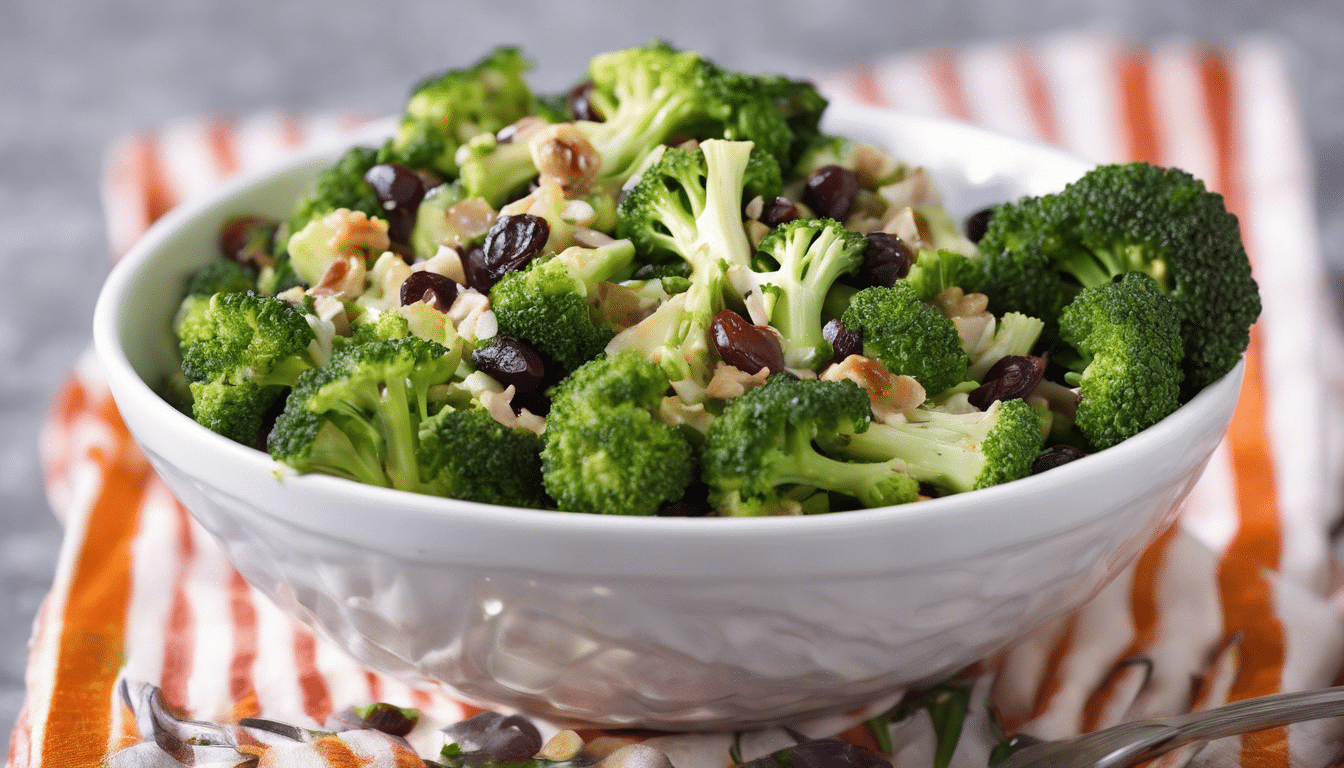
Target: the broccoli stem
(929, 452)
(399, 424)
(868, 482)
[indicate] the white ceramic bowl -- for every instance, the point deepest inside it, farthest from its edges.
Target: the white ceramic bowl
(665, 623)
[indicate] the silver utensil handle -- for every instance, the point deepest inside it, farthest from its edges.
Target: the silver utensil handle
(1256, 714)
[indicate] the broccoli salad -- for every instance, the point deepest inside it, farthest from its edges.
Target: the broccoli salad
(668, 292)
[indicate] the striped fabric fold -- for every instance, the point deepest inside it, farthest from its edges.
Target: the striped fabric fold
(1232, 602)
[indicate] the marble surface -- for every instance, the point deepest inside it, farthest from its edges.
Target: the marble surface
(77, 74)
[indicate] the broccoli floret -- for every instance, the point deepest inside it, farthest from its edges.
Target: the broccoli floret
(340, 186)
(936, 271)
(687, 206)
(468, 455)
(605, 451)
(763, 445)
(448, 109)
(958, 452)
(1014, 334)
(222, 276)
(794, 268)
(550, 303)
(359, 415)
(1130, 218)
(650, 95)
(1127, 334)
(908, 336)
(240, 351)
(373, 325)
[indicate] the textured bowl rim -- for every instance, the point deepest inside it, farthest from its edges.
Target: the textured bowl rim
(130, 391)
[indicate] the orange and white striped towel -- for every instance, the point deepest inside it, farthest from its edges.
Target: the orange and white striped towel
(1235, 601)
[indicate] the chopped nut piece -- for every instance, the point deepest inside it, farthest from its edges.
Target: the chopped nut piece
(600, 747)
(755, 208)
(293, 295)
(955, 303)
(908, 225)
(729, 382)
(591, 238)
(565, 745)
(1061, 399)
(976, 332)
(330, 309)
(891, 395)
(447, 262)
(673, 411)
(563, 153)
(756, 232)
(344, 279)
(355, 234)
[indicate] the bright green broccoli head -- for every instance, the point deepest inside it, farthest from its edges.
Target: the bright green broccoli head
(340, 186)
(615, 461)
(764, 444)
(468, 455)
(1128, 336)
(446, 110)
(222, 276)
(550, 303)
(359, 415)
(1134, 217)
(908, 336)
(246, 338)
(379, 326)
(658, 214)
(606, 452)
(609, 382)
(236, 412)
(793, 269)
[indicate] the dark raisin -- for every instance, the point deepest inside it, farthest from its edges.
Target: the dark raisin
(512, 242)
(844, 341)
(1053, 457)
(510, 361)
(430, 287)
(581, 103)
(387, 718)
(473, 265)
(782, 210)
(400, 190)
(746, 347)
(886, 259)
(1011, 378)
(830, 191)
(978, 223)
(248, 239)
(495, 737)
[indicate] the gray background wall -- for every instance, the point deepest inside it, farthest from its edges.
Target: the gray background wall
(75, 74)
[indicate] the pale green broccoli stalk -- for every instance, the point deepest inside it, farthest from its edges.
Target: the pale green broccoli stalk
(794, 268)
(493, 170)
(605, 450)
(908, 336)
(957, 452)
(468, 455)
(1129, 373)
(550, 303)
(447, 110)
(764, 444)
(935, 271)
(1014, 334)
(359, 415)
